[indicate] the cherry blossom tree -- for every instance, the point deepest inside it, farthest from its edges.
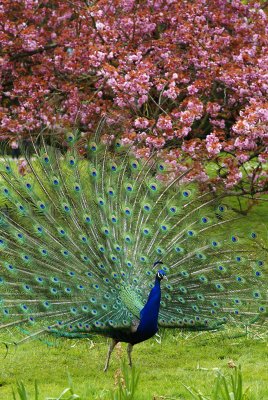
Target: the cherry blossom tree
(187, 79)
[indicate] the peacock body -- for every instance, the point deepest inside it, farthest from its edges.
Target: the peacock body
(82, 240)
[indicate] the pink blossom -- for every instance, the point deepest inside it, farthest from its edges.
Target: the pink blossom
(213, 144)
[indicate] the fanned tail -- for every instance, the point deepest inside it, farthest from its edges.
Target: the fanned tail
(79, 238)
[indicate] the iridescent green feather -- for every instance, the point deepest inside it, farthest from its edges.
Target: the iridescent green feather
(79, 237)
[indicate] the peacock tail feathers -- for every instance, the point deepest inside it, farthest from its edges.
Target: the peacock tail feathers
(79, 237)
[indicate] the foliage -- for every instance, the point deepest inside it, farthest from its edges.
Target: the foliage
(186, 78)
(225, 388)
(22, 392)
(127, 382)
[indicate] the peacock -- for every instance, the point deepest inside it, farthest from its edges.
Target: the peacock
(108, 243)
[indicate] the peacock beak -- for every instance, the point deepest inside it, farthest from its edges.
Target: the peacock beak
(165, 277)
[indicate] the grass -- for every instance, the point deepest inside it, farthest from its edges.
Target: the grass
(180, 359)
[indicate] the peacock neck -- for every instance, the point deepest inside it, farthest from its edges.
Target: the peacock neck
(149, 314)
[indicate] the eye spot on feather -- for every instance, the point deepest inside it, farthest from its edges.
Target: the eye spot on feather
(159, 250)
(186, 193)
(219, 286)
(28, 185)
(70, 138)
(55, 182)
(164, 228)
(234, 239)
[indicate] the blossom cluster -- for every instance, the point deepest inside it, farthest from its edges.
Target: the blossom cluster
(160, 74)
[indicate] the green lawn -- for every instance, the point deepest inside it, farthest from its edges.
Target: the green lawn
(190, 359)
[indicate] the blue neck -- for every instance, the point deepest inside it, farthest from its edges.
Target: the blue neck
(149, 313)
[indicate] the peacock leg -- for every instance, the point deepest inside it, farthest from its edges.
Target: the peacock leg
(112, 345)
(129, 351)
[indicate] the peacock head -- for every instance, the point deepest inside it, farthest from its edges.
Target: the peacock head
(161, 274)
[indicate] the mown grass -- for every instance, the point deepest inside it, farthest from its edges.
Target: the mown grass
(181, 359)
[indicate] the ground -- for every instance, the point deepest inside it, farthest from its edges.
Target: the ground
(180, 359)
